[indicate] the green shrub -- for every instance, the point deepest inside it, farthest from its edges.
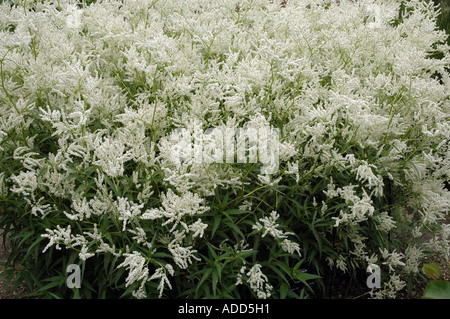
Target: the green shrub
(95, 99)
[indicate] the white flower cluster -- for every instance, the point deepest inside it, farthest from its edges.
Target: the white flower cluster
(60, 236)
(257, 280)
(360, 208)
(270, 226)
(175, 209)
(161, 273)
(137, 271)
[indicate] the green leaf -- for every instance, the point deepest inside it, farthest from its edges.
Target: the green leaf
(225, 199)
(216, 224)
(215, 280)
(283, 267)
(233, 226)
(211, 250)
(219, 267)
(245, 253)
(278, 272)
(55, 296)
(161, 255)
(284, 290)
(54, 281)
(303, 277)
(437, 289)
(42, 171)
(118, 275)
(432, 271)
(204, 277)
(235, 212)
(130, 289)
(297, 266)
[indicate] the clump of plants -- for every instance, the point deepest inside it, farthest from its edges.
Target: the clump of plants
(95, 98)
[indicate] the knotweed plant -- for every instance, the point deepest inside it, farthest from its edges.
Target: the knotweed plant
(95, 97)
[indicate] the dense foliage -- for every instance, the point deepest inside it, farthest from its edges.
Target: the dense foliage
(92, 98)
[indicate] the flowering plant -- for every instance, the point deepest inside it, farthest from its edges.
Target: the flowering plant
(93, 95)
